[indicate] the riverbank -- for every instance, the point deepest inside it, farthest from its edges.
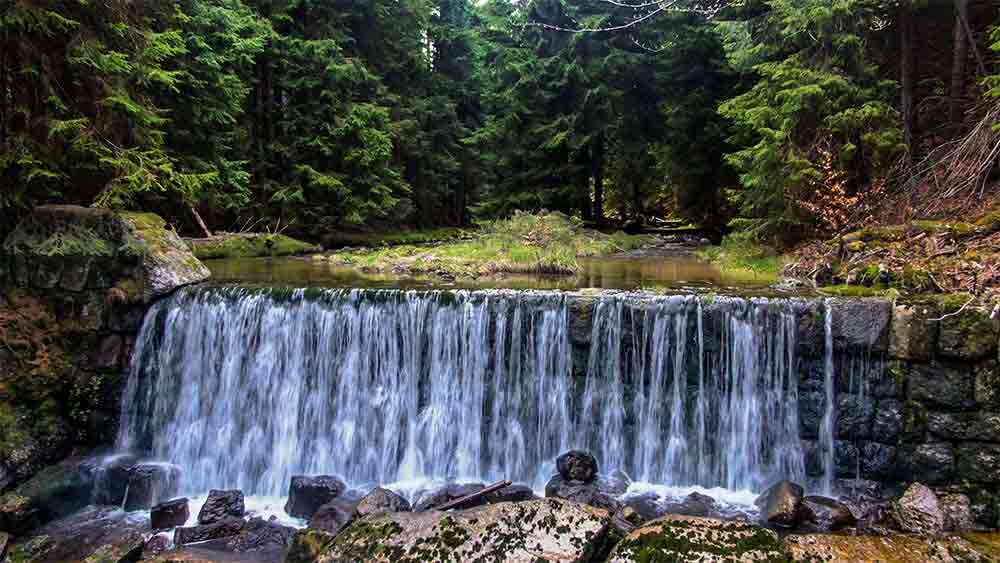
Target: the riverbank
(545, 244)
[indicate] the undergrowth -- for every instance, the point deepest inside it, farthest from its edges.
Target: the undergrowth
(740, 253)
(546, 243)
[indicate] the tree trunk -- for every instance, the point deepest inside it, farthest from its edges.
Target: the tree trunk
(907, 78)
(200, 222)
(597, 159)
(960, 56)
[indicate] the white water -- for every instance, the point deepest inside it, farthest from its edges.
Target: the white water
(244, 389)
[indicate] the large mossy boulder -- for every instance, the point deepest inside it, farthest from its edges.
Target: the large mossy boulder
(688, 538)
(548, 530)
(133, 256)
(53, 493)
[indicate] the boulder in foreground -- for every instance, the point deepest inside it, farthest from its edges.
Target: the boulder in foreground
(526, 532)
(688, 538)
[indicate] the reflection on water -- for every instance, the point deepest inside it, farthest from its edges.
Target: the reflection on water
(607, 273)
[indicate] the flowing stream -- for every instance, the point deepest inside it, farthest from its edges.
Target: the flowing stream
(245, 388)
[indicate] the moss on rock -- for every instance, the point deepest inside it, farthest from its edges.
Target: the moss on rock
(249, 246)
(687, 538)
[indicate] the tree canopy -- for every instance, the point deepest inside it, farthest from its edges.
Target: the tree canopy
(775, 117)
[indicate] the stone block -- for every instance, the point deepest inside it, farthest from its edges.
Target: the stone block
(949, 386)
(913, 335)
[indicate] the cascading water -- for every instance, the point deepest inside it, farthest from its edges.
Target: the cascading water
(826, 428)
(245, 388)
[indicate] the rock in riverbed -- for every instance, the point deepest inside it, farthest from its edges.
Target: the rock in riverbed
(222, 504)
(550, 529)
(307, 494)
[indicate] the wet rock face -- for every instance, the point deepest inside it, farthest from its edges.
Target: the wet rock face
(307, 494)
(94, 534)
(332, 517)
(780, 504)
(513, 493)
(591, 494)
(224, 528)
(258, 534)
(169, 514)
(687, 538)
(822, 514)
(577, 465)
(151, 483)
(945, 386)
(918, 511)
(695, 504)
(448, 493)
(220, 505)
(510, 532)
(53, 493)
(382, 500)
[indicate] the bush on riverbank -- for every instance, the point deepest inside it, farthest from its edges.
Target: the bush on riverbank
(545, 243)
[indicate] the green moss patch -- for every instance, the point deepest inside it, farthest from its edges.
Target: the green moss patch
(249, 246)
(548, 244)
(698, 539)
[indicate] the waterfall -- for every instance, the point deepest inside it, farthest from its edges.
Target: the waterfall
(826, 428)
(245, 388)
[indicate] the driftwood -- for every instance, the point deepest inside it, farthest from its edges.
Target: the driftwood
(474, 496)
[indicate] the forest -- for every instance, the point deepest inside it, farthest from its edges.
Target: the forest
(774, 120)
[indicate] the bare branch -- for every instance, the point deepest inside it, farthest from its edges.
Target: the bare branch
(707, 8)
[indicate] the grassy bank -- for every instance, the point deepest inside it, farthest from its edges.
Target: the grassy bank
(375, 239)
(525, 244)
(249, 245)
(739, 257)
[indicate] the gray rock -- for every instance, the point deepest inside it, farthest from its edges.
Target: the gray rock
(513, 493)
(448, 493)
(888, 423)
(932, 463)
(861, 323)
(647, 506)
(695, 504)
(914, 334)
(979, 426)
(822, 514)
(878, 461)
(224, 528)
(918, 511)
(93, 534)
(779, 505)
(957, 510)
(382, 500)
(950, 387)
(169, 514)
(221, 505)
(577, 465)
(979, 463)
(970, 335)
(591, 494)
(307, 494)
(855, 414)
(812, 407)
(258, 534)
(987, 385)
(332, 517)
(146, 254)
(521, 532)
(150, 484)
(626, 520)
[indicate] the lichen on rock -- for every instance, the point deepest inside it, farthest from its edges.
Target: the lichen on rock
(688, 538)
(541, 530)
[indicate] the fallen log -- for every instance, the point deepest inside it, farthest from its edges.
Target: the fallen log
(474, 496)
